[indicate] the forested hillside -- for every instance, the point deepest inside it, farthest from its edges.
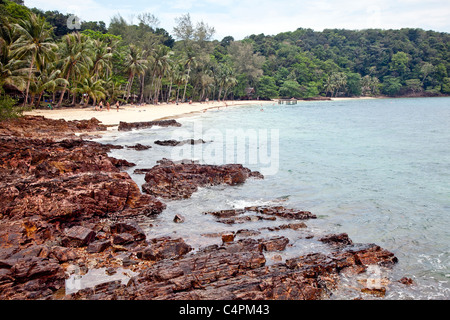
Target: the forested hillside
(45, 58)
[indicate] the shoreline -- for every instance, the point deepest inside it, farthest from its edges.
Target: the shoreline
(133, 113)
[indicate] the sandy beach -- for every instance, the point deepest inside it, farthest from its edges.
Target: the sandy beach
(132, 113)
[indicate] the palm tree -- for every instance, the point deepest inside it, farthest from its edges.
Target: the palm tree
(188, 62)
(113, 90)
(161, 59)
(135, 63)
(92, 88)
(75, 51)
(35, 43)
(48, 80)
(102, 57)
(12, 71)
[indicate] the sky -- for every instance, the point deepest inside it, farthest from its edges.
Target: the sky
(241, 18)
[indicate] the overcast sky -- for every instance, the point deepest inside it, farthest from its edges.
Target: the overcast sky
(240, 18)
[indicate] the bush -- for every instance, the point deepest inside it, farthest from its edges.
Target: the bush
(8, 108)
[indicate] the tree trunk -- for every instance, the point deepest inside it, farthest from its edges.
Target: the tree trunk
(25, 101)
(130, 83)
(185, 86)
(170, 91)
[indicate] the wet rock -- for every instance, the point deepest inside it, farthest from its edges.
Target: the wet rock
(127, 126)
(139, 147)
(78, 236)
(340, 239)
(178, 181)
(406, 281)
(282, 212)
(178, 218)
(379, 292)
(275, 244)
(174, 143)
(232, 216)
(228, 237)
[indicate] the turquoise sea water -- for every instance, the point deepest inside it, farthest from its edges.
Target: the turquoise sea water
(378, 170)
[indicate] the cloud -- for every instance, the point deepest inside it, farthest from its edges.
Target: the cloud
(241, 18)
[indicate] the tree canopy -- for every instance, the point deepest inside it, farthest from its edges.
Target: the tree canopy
(42, 59)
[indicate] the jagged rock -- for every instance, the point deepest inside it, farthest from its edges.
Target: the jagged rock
(123, 238)
(238, 270)
(232, 216)
(174, 143)
(340, 239)
(98, 246)
(228, 237)
(164, 248)
(127, 126)
(178, 218)
(78, 236)
(139, 147)
(128, 226)
(178, 181)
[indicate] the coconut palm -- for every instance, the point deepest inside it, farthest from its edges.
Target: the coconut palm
(48, 80)
(92, 88)
(188, 63)
(13, 72)
(102, 57)
(75, 51)
(136, 64)
(161, 63)
(34, 43)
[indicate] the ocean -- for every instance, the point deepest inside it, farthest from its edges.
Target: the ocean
(378, 170)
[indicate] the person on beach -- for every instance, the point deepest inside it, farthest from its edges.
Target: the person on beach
(101, 105)
(117, 105)
(108, 105)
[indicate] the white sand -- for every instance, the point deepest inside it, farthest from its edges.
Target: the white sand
(130, 113)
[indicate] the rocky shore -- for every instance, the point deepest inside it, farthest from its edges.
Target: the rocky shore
(67, 206)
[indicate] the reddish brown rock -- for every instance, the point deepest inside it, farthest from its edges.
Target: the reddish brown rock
(127, 126)
(78, 236)
(237, 270)
(164, 248)
(178, 181)
(173, 143)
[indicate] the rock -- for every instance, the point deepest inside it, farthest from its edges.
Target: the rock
(164, 248)
(178, 218)
(123, 238)
(228, 237)
(178, 181)
(380, 292)
(238, 270)
(406, 281)
(234, 216)
(128, 226)
(40, 127)
(78, 236)
(139, 147)
(275, 244)
(174, 143)
(340, 239)
(98, 246)
(127, 126)
(63, 254)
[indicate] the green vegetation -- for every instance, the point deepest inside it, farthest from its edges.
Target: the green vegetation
(42, 60)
